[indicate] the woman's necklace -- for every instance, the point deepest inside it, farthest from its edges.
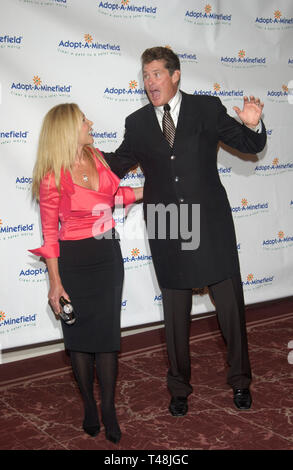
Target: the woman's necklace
(83, 164)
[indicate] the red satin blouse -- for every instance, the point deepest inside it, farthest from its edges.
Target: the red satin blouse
(82, 212)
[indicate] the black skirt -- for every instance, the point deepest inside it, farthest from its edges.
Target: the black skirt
(92, 273)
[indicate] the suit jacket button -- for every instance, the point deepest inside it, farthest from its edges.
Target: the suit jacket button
(173, 157)
(181, 200)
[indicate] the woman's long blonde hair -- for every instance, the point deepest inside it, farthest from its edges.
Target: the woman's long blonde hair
(58, 144)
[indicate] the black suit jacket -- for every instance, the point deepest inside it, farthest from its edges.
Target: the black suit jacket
(187, 174)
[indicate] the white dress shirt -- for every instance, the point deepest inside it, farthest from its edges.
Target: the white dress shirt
(174, 104)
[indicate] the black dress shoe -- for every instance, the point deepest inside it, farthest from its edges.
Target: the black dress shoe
(242, 398)
(178, 406)
(91, 430)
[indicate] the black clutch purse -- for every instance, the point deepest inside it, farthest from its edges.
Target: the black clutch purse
(67, 313)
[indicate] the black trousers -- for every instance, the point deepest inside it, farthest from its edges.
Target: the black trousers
(229, 302)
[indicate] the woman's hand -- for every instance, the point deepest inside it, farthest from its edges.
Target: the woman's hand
(55, 292)
(56, 288)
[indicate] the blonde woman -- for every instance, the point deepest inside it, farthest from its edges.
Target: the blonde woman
(76, 189)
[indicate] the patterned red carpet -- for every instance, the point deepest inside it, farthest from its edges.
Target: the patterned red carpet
(41, 406)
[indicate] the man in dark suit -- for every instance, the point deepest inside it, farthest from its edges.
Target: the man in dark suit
(180, 168)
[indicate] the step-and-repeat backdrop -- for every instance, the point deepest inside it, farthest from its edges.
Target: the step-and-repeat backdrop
(88, 52)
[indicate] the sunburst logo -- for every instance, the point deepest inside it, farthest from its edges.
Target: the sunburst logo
(37, 81)
(249, 277)
(124, 2)
(244, 202)
(2, 315)
(281, 234)
(1, 222)
(277, 14)
(275, 162)
(88, 38)
(135, 252)
(241, 54)
(217, 86)
(285, 88)
(208, 8)
(133, 84)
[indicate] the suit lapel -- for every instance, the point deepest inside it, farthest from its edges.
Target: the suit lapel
(156, 134)
(188, 121)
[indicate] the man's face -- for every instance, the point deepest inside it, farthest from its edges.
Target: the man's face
(159, 84)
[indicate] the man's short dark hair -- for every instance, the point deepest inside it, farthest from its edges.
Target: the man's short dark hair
(172, 62)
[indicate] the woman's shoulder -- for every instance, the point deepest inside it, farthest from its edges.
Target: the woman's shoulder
(50, 181)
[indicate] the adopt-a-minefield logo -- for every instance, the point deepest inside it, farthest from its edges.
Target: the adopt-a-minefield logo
(281, 240)
(256, 282)
(184, 56)
(9, 232)
(278, 95)
(188, 57)
(277, 21)
(125, 94)
(37, 88)
(221, 92)
(247, 209)
(224, 171)
(23, 183)
(88, 47)
(136, 259)
(13, 41)
(158, 300)
(10, 322)
(47, 3)
(207, 17)
(103, 137)
(275, 167)
(33, 274)
(13, 136)
(127, 9)
(241, 60)
(133, 176)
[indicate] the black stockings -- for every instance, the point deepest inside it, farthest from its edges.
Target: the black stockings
(106, 367)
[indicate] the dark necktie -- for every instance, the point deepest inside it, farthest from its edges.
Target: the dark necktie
(168, 125)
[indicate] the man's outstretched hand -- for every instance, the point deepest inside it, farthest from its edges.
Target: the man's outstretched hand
(251, 112)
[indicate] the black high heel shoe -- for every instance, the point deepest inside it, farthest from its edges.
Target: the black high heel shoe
(92, 430)
(113, 435)
(112, 429)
